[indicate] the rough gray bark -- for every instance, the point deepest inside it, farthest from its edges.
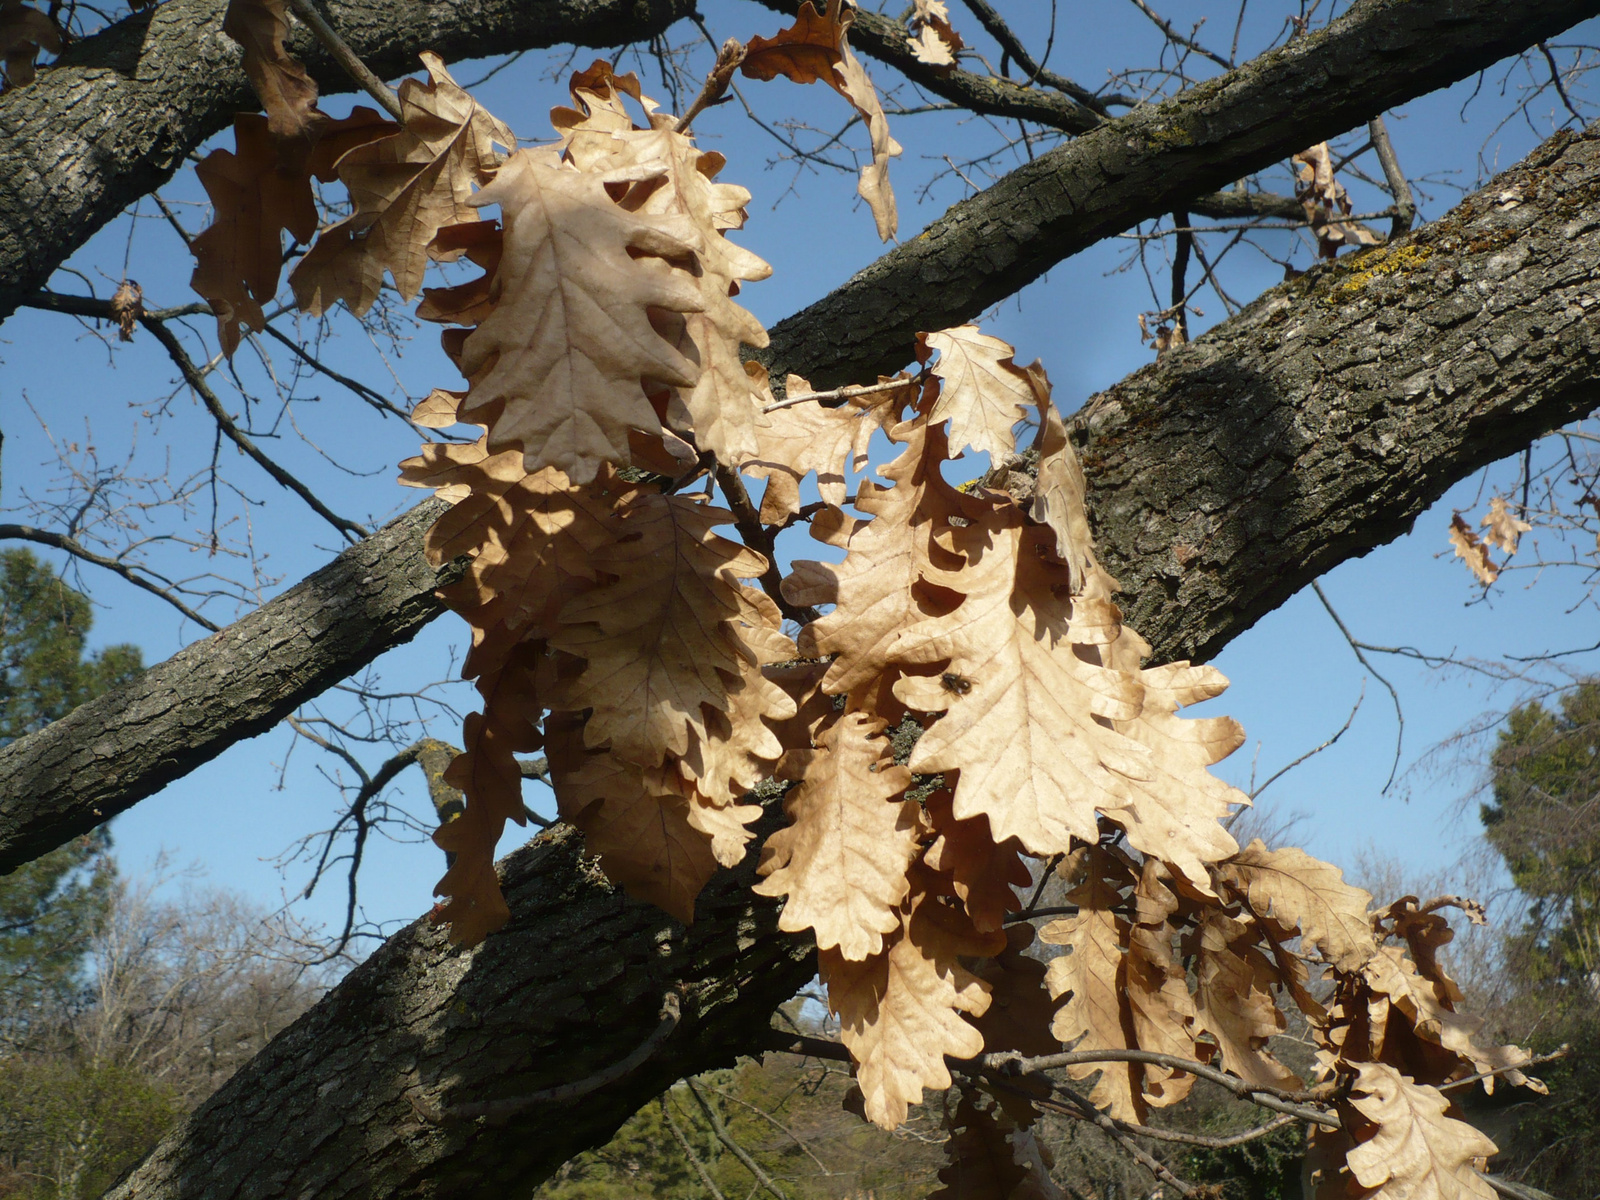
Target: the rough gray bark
(115, 116)
(1379, 54)
(112, 752)
(1375, 381)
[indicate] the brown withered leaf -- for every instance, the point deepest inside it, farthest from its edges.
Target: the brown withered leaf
(800, 438)
(488, 773)
(873, 588)
(403, 189)
(1504, 528)
(984, 395)
(676, 182)
(990, 1158)
(934, 41)
(842, 861)
(1430, 1011)
(1058, 502)
(900, 1012)
(740, 744)
(983, 873)
(1304, 894)
(24, 31)
(1233, 1000)
(1159, 1005)
(281, 84)
(1021, 1009)
(814, 49)
(1419, 1151)
(257, 193)
(127, 306)
(532, 540)
(557, 368)
(1326, 203)
(637, 822)
(481, 242)
(1472, 551)
(659, 637)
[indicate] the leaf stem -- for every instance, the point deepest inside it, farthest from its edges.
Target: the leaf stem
(346, 57)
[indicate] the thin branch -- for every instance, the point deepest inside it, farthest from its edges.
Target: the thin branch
(372, 397)
(1555, 79)
(688, 1150)
(195, 380)
(839, 396)
(44, 537)
(720, 1128)
(1086, 1111)
(1559, 1052)
(347, 59)
(756, 535)
(776, 1124)
(1177, 38)
(715, 87)
(1405, 206)
(994, 24)
(1311, 753)
(1356, 648)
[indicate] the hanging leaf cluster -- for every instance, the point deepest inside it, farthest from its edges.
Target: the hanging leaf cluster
(616, 627)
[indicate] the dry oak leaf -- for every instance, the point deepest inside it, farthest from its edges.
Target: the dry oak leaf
(874, 589)
(257, 192)
(800, 438)
(1504, 529)
(842, 860)
(1472, 551)
(1326, 202)
(557, 368)
(723, 407)
(990, 1158)
(488, 773)
(740, 743)
(532, 541)
(403, 189)
(1302, 893)
(900, 1012)
(816, 48)
(985, 393)
(1021, 1009)
(935, 43)
(24, 31)
(1419, 1151)
(482, 243)
(1430, 1011)
(660, 638)
(984, 873)
(127, 306)
(637, 822)
(281, 84)
(1059, 503)
(1233, 1000)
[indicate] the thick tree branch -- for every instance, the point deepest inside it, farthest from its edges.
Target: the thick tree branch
(1381, 378)
(1380, 54)
(117, 113)
(109, 754)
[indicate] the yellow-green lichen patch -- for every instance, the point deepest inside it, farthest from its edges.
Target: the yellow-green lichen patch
(1375, 264)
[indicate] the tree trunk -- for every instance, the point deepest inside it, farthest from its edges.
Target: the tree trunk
(1307, 430)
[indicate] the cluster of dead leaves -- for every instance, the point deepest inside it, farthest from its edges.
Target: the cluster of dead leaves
(1503, 530)
(1326, 203)
(614, 629)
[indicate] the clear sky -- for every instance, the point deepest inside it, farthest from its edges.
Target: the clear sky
(1295, 680)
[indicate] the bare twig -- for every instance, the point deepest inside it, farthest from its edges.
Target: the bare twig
(1177, 38)
(756, 535)
(346, 57)
(1405, 206)
(840, 395)
(44, 537)
(720, 1128)
(234, 434)
(682, 1139)
(716, 85)
(1356, 649)
(1556, 81)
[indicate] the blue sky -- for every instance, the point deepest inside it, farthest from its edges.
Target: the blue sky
(1294, 678)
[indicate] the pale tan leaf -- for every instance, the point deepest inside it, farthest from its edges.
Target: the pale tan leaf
(984, 395)
(801, 438)
(557, 368)
(900, 1012)
(1326, 203)
(1233, 1000)
(740, 745)
(1307, 895)
(1058, 502)
(856, 86)
(983, 873)
(1505, 529)
(842, 862)
(658, 638)
(403, 188)
(1472, 551)
(1419, 1151)
(727, 825)
(930, 48)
